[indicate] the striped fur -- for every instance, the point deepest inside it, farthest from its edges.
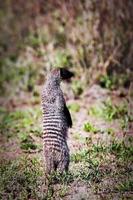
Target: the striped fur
(56, 121)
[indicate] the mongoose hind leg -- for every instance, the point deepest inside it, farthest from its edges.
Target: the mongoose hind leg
(63, 164)
(49, 162)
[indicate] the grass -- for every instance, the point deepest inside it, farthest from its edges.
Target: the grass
(63, 191)
(27, 142)
(64, 178)
(21, 124)
(121, 151)
(94, 157)
(107, 82)
(88, 168)
(24, 119)
(113, 82)
(125, 186)
(108, 111)
(88, 127)
(20, 179)
(79, 156)
(90, 165)
(54, 179)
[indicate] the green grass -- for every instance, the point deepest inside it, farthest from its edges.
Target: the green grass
(89, 162)
(56, 178)
(108, 111)
(88, 169)
(113, 81)
(65, 178)
(88, 127)
(121, 151)
(79, 156)
(20, 119)
(106, 82)
(91, 159)
(21, 124)
(27, 142)
(63, 191)
(125, 186)
(117, 148)
(20, 179)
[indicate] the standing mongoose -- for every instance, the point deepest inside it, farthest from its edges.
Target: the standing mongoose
(56, 121)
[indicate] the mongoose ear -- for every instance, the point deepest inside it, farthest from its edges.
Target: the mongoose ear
(65, 74)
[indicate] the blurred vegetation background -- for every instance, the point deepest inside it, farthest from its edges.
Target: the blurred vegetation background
(93, 38)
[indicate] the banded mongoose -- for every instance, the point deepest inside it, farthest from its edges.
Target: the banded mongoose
(56, 121)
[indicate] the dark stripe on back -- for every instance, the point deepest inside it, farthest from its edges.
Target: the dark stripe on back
(49, 128)
(57, 133)
(53, 136)
(52, 144)
(50, 115)
(52, 120)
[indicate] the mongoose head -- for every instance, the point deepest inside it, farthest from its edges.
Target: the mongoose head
(60, 74)
(65, 74)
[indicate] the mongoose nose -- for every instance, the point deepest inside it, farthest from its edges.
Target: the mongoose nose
(66, 74)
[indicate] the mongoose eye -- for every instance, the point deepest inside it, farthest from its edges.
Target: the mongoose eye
(65, 74)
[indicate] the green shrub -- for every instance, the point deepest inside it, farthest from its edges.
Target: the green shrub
(88, 127)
